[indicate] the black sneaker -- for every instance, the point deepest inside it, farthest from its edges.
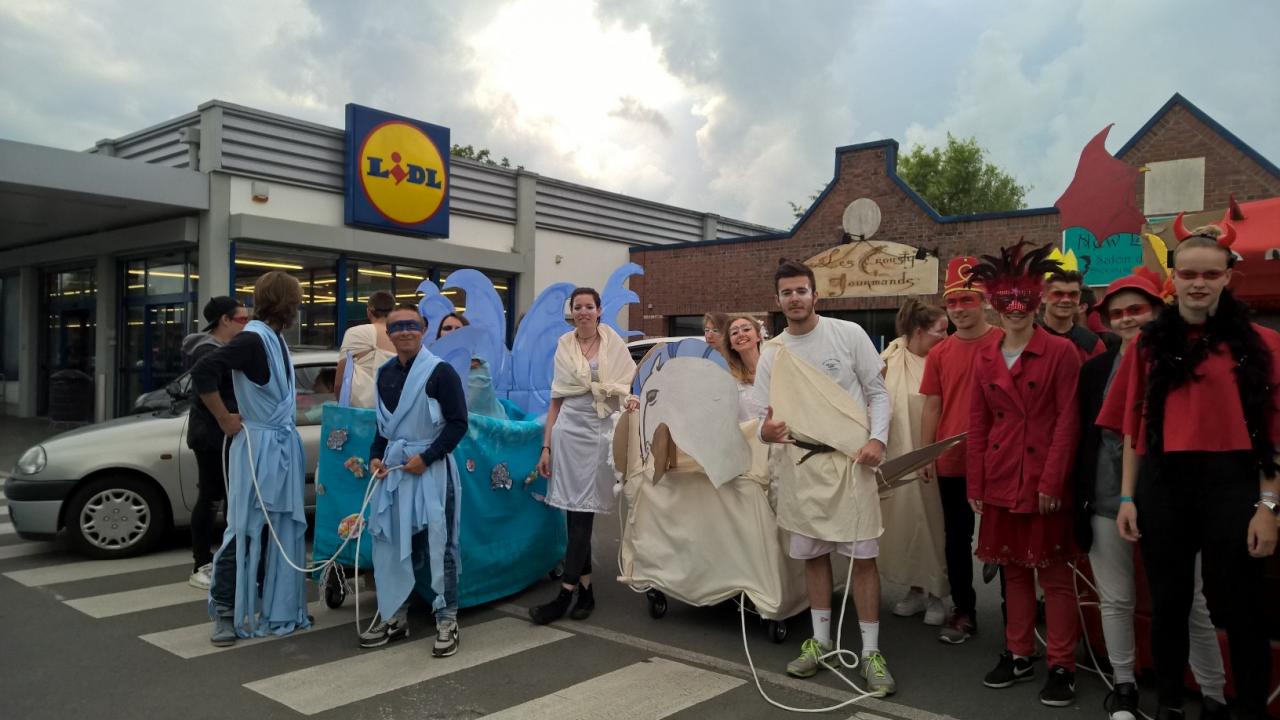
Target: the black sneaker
(446, 642)
(384, 632)
(1060, 688)
(1211, 709)
(585, 604)
(1122, 702)
(1009, 670)
(1168, 713)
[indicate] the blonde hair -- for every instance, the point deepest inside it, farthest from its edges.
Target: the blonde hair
(737, 366)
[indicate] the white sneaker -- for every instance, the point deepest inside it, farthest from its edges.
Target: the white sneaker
(935, 613)
(202, 578)
(913, 603)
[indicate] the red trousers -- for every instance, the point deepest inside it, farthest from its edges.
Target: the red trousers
(1061, 621)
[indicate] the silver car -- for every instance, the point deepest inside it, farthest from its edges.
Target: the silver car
(117, 487)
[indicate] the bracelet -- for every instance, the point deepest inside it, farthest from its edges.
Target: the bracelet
(1126, 499)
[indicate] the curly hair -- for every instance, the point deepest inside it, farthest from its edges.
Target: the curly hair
(1175, 355)
(276, 297)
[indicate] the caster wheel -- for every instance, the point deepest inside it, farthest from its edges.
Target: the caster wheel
(657, 604)
(335, 590)
(778, 631)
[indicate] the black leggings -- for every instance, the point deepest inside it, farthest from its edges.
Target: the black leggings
(958, 524)
(577, 555)
(1203, 502)
(210, 492)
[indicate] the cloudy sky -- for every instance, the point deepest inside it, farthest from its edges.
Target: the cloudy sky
(727, 106)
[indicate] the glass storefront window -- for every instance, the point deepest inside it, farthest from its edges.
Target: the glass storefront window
(135, 278)
(166, 279)
(407, 280)
(318, 276)
(9, 327)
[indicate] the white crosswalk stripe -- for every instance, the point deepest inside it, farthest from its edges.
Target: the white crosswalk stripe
(341, 682)
(25, 549)
(131, 601)
(643, 691)
(90, 569)
(6, 528)
(192, 641)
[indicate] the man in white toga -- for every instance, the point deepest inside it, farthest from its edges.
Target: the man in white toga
(829, 491)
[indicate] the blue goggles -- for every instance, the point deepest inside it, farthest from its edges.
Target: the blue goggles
(400, 326)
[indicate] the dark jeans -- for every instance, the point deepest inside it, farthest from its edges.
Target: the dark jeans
(211, 491)
(1203, 502)
(421, 555)
(577, 555)
(223, 589)
(958, 522)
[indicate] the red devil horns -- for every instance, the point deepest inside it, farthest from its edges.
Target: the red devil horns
(1180, 230)
(1228, 235)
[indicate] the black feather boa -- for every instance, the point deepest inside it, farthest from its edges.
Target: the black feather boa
(1175, 355)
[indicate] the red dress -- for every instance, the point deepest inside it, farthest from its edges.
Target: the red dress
(1023, 429)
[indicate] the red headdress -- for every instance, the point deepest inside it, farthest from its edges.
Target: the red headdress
(1226, 239)
(1013, 280)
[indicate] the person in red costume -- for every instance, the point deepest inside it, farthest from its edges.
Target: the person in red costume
(1197, 407)
(1023, 429)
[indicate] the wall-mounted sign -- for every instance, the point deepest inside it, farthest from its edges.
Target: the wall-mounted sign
(870, 268)
(1116, 257)
(397, 173)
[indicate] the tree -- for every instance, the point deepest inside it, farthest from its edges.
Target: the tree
(958, 180)
(470, 152)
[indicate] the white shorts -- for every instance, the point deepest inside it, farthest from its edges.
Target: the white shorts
(803, 547)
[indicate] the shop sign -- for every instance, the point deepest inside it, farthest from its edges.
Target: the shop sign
(397, 173)
(1116, 257)
(869, 268)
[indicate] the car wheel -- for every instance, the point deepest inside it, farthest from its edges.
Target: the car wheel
(115, 517)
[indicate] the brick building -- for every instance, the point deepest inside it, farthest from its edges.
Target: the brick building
(1191, 158)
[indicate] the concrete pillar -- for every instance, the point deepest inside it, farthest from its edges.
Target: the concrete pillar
(104, 338)
(526, 232)
(214, 253)
(710, 222)
(30, 325)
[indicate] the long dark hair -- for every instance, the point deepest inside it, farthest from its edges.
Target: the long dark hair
(1175, 355)
(456, 316)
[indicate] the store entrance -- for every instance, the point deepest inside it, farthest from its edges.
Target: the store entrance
(66, 368)
(157, 316)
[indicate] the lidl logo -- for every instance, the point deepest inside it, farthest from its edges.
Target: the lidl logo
(397, 173)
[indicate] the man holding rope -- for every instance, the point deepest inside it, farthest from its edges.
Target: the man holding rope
(257, 589)
(413, 513)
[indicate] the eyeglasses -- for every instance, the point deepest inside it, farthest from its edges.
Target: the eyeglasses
(241, 320)
(400, 326)
(711, 331)
(1057, 295)
(1131, 311)
(1207, 275)
(963, 302)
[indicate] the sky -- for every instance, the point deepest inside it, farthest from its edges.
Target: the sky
(727, 106)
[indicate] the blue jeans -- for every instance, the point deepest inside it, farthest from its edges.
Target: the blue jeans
(421, 547)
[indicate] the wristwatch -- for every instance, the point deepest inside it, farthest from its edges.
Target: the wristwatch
(1270, 505)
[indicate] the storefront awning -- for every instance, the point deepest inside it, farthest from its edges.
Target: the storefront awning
(48, 193)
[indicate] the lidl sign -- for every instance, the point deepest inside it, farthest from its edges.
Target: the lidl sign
(397, 173)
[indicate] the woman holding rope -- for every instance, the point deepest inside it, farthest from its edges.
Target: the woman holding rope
(593, 373)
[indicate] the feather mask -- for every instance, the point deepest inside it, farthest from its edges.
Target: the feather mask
(1014, 280)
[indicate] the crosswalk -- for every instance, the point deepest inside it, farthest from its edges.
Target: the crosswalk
(637, 684)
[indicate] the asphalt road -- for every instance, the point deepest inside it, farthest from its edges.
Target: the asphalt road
(128, 639)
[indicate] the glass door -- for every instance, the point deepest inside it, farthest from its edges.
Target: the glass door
(158, 314)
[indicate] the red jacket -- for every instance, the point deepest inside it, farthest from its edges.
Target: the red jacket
(1023, 424)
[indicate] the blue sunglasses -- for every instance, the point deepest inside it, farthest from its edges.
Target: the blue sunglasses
(400, 326)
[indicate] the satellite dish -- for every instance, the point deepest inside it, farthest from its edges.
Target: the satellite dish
(861, 218)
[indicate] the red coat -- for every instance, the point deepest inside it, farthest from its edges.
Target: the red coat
(1023, 424)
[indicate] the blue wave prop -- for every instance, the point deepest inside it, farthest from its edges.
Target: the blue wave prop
(689, 347)
(534, 350)
(616, 297)
(434, 307)
(484, 311)
(457, 348)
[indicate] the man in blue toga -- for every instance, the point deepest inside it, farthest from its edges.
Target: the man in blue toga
(413, 514)
(254, 590)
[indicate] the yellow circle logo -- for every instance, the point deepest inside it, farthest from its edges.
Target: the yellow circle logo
(402, 173)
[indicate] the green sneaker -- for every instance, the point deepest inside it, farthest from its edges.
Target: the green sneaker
(876, 672)
(807, 665)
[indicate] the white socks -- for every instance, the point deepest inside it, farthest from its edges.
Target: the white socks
(821, 626)
(870, 637)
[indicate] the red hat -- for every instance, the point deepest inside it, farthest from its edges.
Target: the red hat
(1141, 280)
(958, 271)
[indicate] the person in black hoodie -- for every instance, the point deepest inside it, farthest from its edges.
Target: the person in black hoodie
(225, 317)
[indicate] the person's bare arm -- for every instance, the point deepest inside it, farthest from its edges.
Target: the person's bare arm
(544, 461)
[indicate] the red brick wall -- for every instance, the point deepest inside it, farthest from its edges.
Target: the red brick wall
(737, 277)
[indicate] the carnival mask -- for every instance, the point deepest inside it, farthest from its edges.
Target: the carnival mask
(1015, 300)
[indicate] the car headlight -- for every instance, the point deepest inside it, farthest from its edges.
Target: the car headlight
(32, 461)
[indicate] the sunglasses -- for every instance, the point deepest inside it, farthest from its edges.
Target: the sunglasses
(1057, 295)
(242, 320)
(1131, 311)
(400, 326)
(963, 302)
(1207, 275)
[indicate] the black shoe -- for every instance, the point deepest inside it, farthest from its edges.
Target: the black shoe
(1060, 688)
(554, 610)
(1009, 670)
(989, 572)
(586, 603)
(1166, 713)
(1211, 709)
(1122, 702)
